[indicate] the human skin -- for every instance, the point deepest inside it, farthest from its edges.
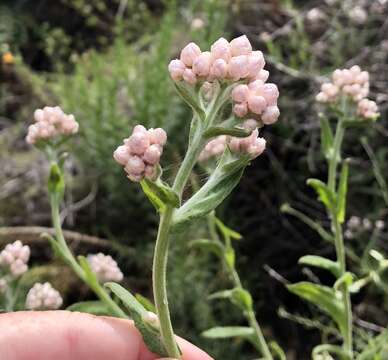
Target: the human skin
(63, 335)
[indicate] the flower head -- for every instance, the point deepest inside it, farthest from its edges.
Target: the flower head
(15, 257)
(140, 154)
(229, 62)
(50, 123)
(105, 268)
(43, 297)
(367, 109)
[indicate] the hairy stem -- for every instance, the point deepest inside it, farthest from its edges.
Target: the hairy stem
(68, 257)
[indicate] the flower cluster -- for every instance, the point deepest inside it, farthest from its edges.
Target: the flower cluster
(353, 83)
(43, 297)
(252, 144)
(141, 152)
(105, 268)
(51, 122)
(356, 225)
(231, 61)
(15, 257)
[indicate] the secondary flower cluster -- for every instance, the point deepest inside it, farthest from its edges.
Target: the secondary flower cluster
(51, 122)
(353, 83)
(15, 257)
(141, 152)
(356, 225)
(252, 144)
(43, 297)
(231, 61)
(105, 268)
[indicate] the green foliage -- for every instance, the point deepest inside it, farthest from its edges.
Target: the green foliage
(91, 307)
(321, 262)
(325, 195)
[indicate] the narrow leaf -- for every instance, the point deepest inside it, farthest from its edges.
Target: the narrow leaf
(148, 305)
(151, 335)
(225, 332)
(321, 262)
(212, 246)
(218, 130)
(226, 231)
(324, 194)
(326, 298)
(91, 307)
(326, 137)
(346, 279)
(342, 192)
(191, 99)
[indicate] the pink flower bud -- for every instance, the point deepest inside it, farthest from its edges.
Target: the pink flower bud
(250, 124)
(257, 148)
(135, 165)
(270, 93)
(322, 97)
(139, 129)
(138, 143)
(157, 136)
(263, 75)
(240, 109)
(270, 115)
(189, 77)
(219, 69)
(221, 50)
(234, 145)
(240, 46)
(135, 178)
(176, 69)
(238, 67)
(122, 155)
(43, 297)
(189, 53)
(38, 115)
(256, 86)
(256, 104)
(152, 155)
(105, 267)
(150, 172)
(240, 93)
(201, 65)
(256, 63)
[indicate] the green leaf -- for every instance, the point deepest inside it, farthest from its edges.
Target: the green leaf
(226, 231)
(91, 277)
(219, 185)
(327, 138)
(190, 98)
(321, 262)
(324, 194)
(326, 298)
(277, 350)
(376, 346)
(342, 191)
(147, 304)
(160, 194)
(219, 130)
(238, 296)
(328, 348)
(346, 279)
(212, 246)
(225, 332)
(91, 307)
(56, 181)
(151, 335)
(230, 257)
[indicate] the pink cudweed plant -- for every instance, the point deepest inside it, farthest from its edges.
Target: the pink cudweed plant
(105, 268)
(353, 83)
(50, 123)
(141, 152)
(233, 61)
(43, 297)
(15, 257)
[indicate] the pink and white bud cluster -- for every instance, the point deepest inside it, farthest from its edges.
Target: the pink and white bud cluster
(51, 122)
(3, 286)
(43, 297)
(15, 257)
(252, 144)
(367, 109)
(231, 61)
(105, 268)
(141, 152)
(257, 99)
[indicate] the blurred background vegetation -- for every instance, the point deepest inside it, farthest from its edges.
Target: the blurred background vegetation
(106, 62)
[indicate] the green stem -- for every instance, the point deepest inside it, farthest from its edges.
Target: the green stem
(338, 239)
(72, 262)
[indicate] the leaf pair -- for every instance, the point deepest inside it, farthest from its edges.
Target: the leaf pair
(160, 194)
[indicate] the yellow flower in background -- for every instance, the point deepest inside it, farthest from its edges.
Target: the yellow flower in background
(8, 58)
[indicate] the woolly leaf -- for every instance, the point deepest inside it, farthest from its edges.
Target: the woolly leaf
(151, 335)
(56, 182)
(324, 194)
(191, 99)
(321, 262)
(160, 194)
(209, 245)
(342, 191)
(326, 138)
(218, 130)
(91, 307)
(326, 298)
